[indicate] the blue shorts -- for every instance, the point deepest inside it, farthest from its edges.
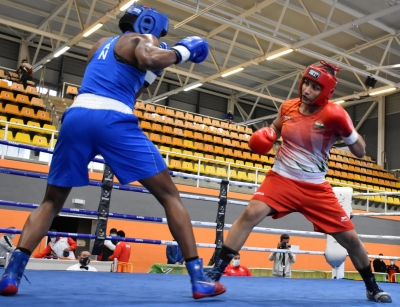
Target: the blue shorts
(116, 136)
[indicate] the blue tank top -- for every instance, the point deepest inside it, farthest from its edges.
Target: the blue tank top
(105, 76)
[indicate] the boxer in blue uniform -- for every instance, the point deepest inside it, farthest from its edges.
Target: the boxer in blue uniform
(101, 121)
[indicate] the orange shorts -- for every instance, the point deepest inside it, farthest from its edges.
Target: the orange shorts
(317, 202)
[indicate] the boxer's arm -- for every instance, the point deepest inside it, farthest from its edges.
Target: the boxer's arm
(277, 124)
(358, 148)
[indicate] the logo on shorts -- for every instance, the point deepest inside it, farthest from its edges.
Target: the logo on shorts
(319, 126)
(286, 117)
(344, 219)
(259, 193)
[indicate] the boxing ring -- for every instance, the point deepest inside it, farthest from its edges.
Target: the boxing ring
(67, 288)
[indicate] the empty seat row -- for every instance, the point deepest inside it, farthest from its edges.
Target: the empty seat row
(190, 117)
(26, 112)
(29, 126)
(18, 88)
(25, 138)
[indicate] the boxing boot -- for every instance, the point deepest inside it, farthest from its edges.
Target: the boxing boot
(375, 293)
(216, 272)
(202, 286)
(11, 278)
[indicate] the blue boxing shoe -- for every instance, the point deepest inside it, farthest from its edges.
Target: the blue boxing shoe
(202, 286)
(11, 278)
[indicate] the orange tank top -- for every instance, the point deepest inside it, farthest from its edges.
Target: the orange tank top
(306, 141)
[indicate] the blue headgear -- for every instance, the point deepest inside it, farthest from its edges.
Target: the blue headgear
(144, 20)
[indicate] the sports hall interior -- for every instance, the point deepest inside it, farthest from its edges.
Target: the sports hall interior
(188, 126)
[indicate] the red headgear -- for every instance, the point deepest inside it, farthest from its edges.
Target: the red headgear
(320, 75)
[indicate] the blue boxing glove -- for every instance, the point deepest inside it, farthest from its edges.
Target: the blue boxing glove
(151, 76)
(193, 48)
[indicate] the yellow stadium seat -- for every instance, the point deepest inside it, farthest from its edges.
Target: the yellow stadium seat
(138, 113)
(239, 162)
(12, 109)
(189, 116)
(7, 96)
(145, 125)
(198, 119)
(198, 155)
(24, 138)
(209, 170)
(164, 150)
(167, 130)
(9, 135)
(175, 164)
(188, 144)
(177, 142)
(250, 164)
(37, 102)
(17, 121)
(218, 150)
(22, 99)
(32, 91)
(52, 128)
(208, 148)
(3, 120)
(228, 152)
(155, 138)
(251, 177)
(235, 143)
(233, 174)
(166, 139)
(188, 167)
(156, 127)
(178, 132)
(221, 172)
(4, 84)
(188, 134)
(40, 141)
(140, 105)
(227, 142)
(176, 152)
(238, 154)
(219, 158)
(179, 114)
(198, 136)
(242, 176)
(43, 115)
(202, 168)
(150, 108)
(207, 121)
(170, 112)
(72, 90)
(215, 123)
(224, 125)
(217, 139)
(260, 178)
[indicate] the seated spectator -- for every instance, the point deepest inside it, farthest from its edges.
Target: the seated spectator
(229, 116)
(379, 265)
(58, 247)
(83, 263)
(25, 72)
(122, 251)
(391, 270)
(109, 245)
(235, 269)
(174, 254)
(6, 246)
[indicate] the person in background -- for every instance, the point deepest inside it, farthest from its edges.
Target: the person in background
(83, 263)
(6, 246)
(282, 261)
(25, 73)
(392, 269)
(58, 247)
(109, 246)
(122, 251)
(174, 254)
(229, 117)
(235, 269)
(379, 265)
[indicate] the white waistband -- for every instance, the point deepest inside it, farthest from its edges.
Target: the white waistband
(297, 174)
(96, 102)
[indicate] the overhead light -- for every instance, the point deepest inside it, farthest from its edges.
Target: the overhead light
(383, 67)
(61, 51)
(232, 72)
(279, 54)
(192, 87)
(382, 91)
(126, 5)
(37, 68)
(161, 98)
(48, 60)
(95, 28)
(339, 101)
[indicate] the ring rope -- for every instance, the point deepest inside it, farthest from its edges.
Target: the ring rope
(194, 223)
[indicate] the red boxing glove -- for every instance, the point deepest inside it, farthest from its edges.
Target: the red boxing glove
(262, 140)
(335, 116)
